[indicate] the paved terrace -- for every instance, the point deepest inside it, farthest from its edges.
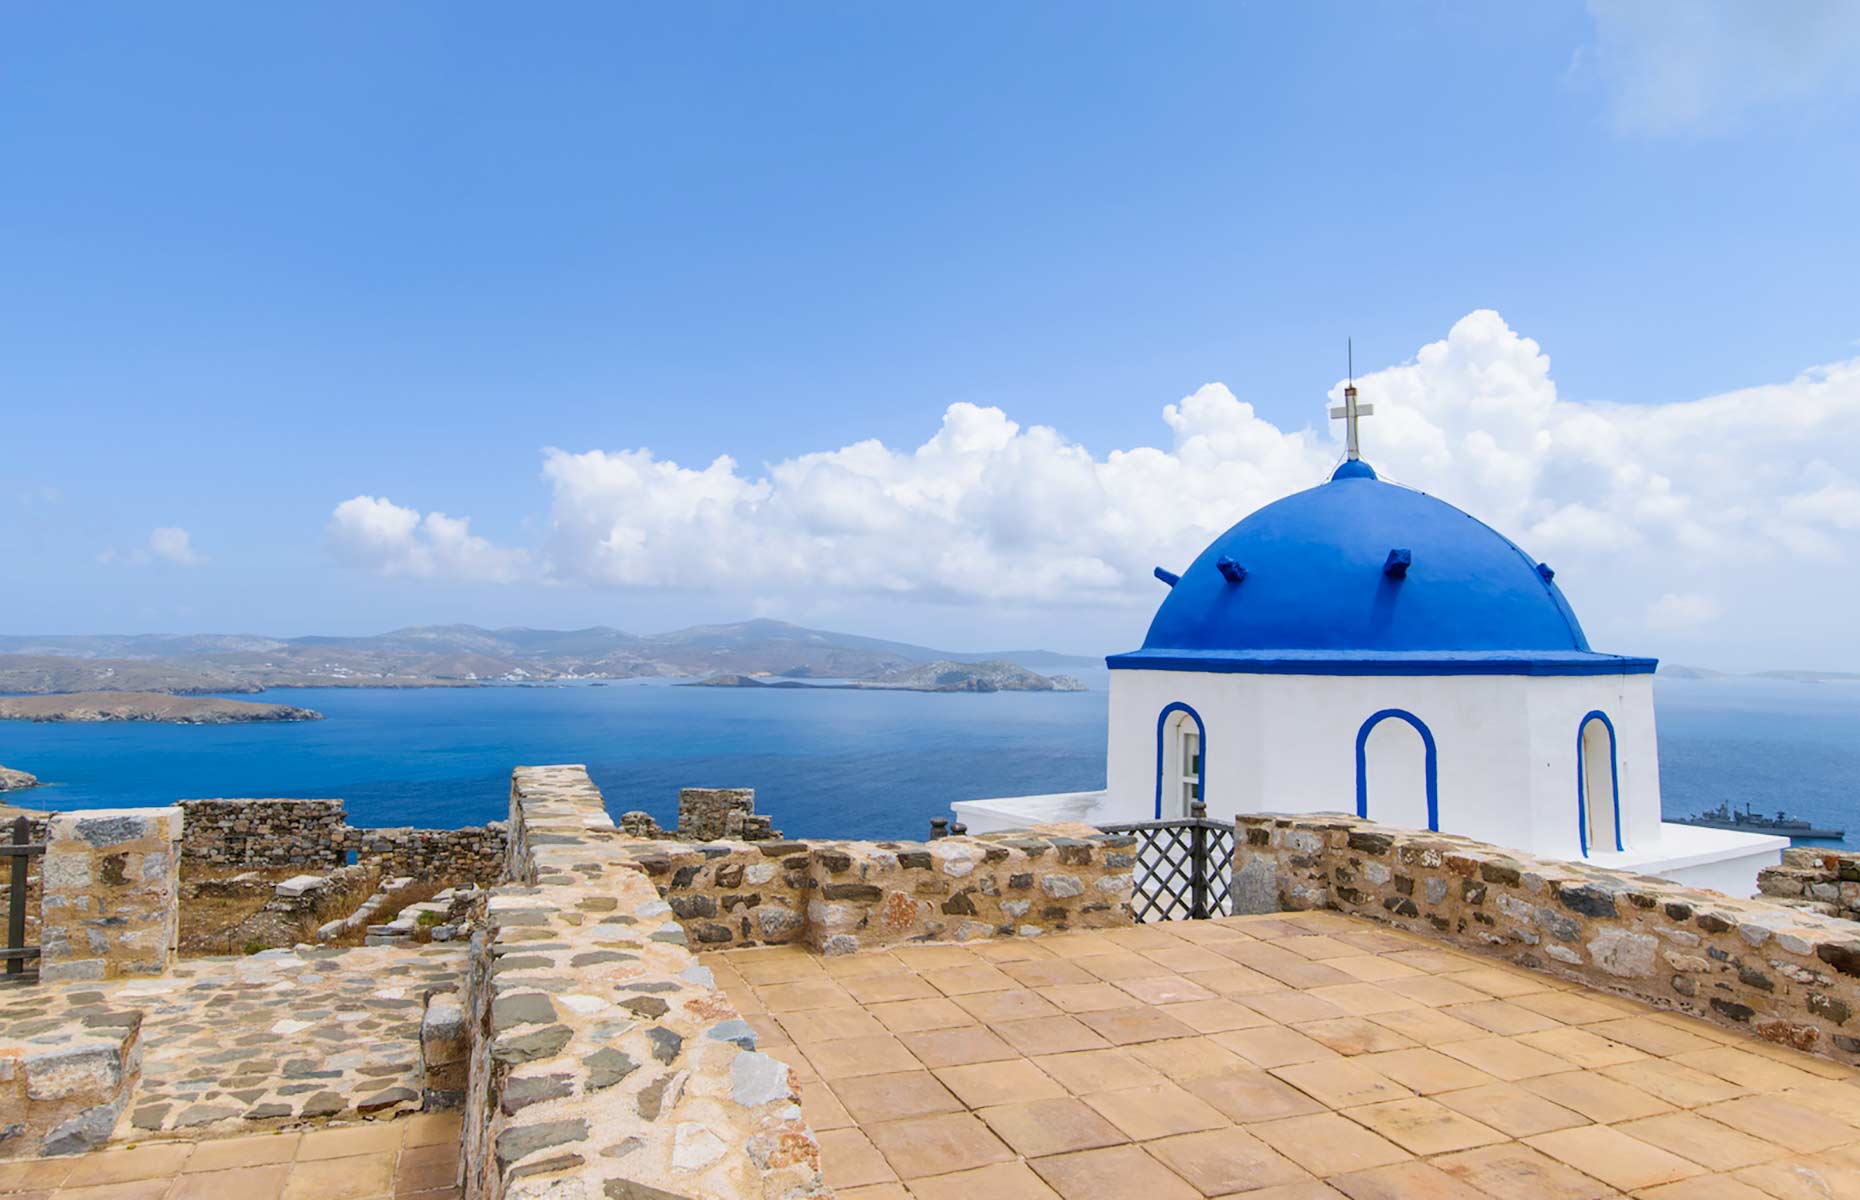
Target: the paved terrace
(415, 1158)
(1300, 1056)
(278, 1036)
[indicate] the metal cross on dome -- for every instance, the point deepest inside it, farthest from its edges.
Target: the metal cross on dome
(1349, 411)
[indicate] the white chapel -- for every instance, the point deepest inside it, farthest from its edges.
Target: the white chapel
(1362, 647)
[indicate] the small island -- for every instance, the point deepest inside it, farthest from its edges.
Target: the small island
(146, 706)
(16, 781)
(941, 676)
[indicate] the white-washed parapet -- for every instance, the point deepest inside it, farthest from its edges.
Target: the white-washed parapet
(604, 1062)
(110, 904)
(1784, 974)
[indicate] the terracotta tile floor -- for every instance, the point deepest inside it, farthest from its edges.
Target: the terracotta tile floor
(415, 1158)
(1304, 1056)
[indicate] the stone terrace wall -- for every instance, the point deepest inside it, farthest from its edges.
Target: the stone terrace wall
(841, 897)
(604, 1062)
(263, 832)
(1784, 974)
(471, 855)
(1825, 881)
(111, 897)
(315, 834)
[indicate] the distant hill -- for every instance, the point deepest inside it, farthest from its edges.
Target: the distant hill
(941, 676)
(462, 655)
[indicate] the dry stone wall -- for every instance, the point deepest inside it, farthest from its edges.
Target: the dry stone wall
(1824, 881)
(111, 893)
(603, 1061)
(1784, 974)
(263, 832)
(315, 834)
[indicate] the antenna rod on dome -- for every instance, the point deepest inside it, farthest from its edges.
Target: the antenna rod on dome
(1350, 410)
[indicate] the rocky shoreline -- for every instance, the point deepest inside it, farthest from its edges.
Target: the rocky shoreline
(16, 781)
(146, 706)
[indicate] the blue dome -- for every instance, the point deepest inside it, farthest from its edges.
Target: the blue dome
(1358, 570)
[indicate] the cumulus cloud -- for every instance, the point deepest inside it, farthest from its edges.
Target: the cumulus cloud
(376, 533)
(1666, 517)
(1676, 65)
(166, 544)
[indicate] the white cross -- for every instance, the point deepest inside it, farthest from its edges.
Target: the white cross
(1348, 412)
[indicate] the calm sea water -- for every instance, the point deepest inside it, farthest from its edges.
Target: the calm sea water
(826, 763)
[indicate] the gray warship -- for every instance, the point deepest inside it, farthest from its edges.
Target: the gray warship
(1726, 817)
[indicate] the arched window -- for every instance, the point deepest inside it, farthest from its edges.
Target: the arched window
(1181, 760)
(1598, 785)
(1400, 767)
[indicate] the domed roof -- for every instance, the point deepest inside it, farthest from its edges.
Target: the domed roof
(1361, 571)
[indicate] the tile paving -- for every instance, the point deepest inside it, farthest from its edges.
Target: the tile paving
(283, 1035)
(1307, 1056)
(410, 1158)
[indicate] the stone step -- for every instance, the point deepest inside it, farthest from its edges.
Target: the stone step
(444, 1051)
(62, 1091)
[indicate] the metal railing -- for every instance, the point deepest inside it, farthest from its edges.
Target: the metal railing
(1184, 868)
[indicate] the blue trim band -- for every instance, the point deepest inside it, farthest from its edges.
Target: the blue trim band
(1432, 761)
(1162, 724)
(1582, 777)
(1386, 662)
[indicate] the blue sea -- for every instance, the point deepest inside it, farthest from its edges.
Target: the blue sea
(823, 763)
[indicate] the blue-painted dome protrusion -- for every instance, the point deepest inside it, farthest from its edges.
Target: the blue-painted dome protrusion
(1324, 591)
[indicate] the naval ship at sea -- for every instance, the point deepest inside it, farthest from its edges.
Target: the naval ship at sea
(1726, 817)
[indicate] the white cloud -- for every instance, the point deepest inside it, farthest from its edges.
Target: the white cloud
(383, 536)
(1681, 611)
(1658, 517)
(166, 544)
(1696, 64)
(172, 544)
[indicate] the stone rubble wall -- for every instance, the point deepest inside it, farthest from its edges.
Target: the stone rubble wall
(1824, 881)
(298, 906)
(708, 814)
(111, 901)
(604, 1063)
(315, 834)
(471, 855)
(1781, 973)
(263, 832)
(842, 897)
(65, 1081)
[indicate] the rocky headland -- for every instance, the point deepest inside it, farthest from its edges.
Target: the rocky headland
(146, 706)
(16, 781)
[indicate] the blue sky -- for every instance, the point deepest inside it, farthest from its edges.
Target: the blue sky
(257, 262)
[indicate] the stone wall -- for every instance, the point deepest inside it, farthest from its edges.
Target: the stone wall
(471, 855)
(111, 894)
(315, 834)
(1825, 881)
(603, 1061)
(841, 897)
(1783, 974)
(263, 832)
